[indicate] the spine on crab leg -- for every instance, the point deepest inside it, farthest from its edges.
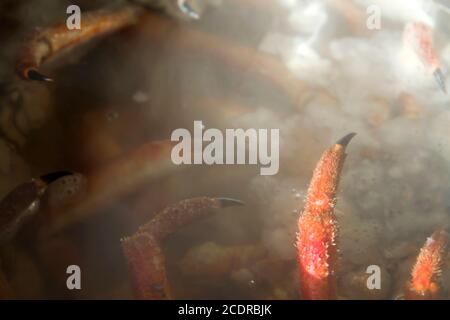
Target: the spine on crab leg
(424, 282)
(317, 227)
(46, 43)
(419, 37)
(143, 250)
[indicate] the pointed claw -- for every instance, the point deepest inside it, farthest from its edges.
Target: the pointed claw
(440, 79)
(229, 202)
(344, 141)
(33, 74)
(318, 227)
(187, 9)
(50, 177)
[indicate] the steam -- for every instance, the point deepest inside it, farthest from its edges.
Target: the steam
(395, 180)
(395, 183)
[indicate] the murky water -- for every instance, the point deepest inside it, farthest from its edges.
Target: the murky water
(311, 69)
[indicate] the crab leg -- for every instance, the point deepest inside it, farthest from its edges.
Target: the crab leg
(107, 184)
(419, 37)
(46, 43)
(143, 250)
(317, 226)
(23, 202)
(245, 59)
(424, 282)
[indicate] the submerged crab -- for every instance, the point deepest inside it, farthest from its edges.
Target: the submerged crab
(136, 167)
(317, 241)
(143, 249)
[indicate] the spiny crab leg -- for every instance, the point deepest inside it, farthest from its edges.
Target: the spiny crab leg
(46, 43)
(143, 250)
(121, 176)
(23, 202)
(317, 227)
(424, 282)
(419, 37)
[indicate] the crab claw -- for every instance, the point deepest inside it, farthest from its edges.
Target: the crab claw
(33, 74)
(23, 202)
(318, 228)
(440, 79)
(47, 43)
(345, 140)
(419, 37)
(143, 250)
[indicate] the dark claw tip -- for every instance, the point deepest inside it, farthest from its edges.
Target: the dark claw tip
(344, 141)
(50, 177)
(440, 79)
(33, 74)
(228, 202)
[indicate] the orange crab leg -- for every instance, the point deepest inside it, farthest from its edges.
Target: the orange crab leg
(143, 250)
(424, 283)
(317, 227)
(46, 43)
(419, 37)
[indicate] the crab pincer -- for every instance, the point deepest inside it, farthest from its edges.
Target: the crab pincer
(23, 202)
(419, 37)
(44, 44)
(318, 228)
(143, 250)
